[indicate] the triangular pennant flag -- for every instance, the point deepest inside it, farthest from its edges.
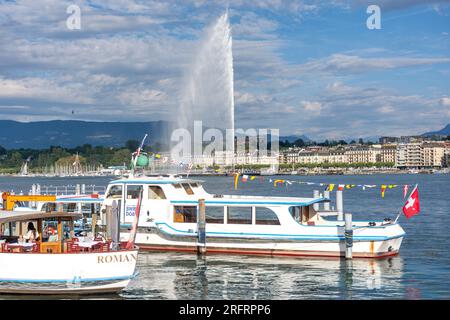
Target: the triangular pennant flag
(383, 189)
(405, 190)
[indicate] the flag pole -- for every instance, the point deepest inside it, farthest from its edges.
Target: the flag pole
(398, 216)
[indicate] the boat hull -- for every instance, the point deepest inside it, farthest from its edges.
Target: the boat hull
(66, 273)
(271, 247)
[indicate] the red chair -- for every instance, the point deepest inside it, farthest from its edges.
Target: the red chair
(74, 247)
(97, 247)
(36, 247)
(4, 247)
(68, 245)
(106, 246)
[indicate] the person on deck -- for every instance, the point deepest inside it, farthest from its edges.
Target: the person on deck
(32, 233)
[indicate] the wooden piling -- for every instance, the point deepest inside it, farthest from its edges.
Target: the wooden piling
(115, 225)
(326, 205)
(108, 221)
(201, 226)
(316, 195)
(340, 205)
(94, 219)
(348, 233)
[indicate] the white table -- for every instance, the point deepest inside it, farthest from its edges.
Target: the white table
(87, 244)
(23, 246)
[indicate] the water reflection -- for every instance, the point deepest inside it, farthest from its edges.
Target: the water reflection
(186, 276)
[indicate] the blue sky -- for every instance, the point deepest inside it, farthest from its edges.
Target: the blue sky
(305, 67)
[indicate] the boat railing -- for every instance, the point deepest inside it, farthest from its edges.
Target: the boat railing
(72, 189)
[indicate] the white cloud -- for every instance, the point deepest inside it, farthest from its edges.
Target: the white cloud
(445, 101)
(386, 109)
(42, 89)
(340, 63)
(312, 106)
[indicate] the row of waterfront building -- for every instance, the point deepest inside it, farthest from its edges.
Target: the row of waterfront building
(424, 154)
(412, 153)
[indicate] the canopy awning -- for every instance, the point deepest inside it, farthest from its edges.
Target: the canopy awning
(11, 216)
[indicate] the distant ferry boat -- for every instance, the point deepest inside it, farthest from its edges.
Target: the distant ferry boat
(285, 226)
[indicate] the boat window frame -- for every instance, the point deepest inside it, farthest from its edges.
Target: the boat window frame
(194, 216)
(267, 224)
(149, 188)
(223, 214)
(133, 185)
(297, 214)
(120, 185)
(188, 190)
(227, 214)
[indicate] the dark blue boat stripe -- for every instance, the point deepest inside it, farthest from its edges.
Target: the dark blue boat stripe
(289, 236)
(66, 280)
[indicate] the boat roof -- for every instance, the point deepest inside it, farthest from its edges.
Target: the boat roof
(155, 180)
(11, 216)
(255, 201)
(77, 198)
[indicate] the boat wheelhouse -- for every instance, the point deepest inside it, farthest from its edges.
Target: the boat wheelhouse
(168, 220)
(57, 262)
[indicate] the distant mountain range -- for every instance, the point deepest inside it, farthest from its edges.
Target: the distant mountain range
(294, 138)
(444, 132)
(42, 134)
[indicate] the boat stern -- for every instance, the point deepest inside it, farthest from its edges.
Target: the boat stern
(378, 241)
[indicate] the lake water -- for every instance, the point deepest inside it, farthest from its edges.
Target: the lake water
(420, 271)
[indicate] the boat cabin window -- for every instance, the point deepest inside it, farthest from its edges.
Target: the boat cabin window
(239, 215)
(188, 188)
(177, 185)
(9, 229)
(295, 213)
(133, 191)
(114, 192)
(194, 185)
(185, 214)
(156, 193)
(266, 216)
(49, 207)
(67, 226)
(50, 230)
(214, 214)
(9, 232)
(71, 207)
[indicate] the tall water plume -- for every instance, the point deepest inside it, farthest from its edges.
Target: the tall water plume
(208, 94)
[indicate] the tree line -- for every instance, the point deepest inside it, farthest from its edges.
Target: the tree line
(38, 159)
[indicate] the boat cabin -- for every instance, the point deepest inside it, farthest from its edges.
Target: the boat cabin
(54, 232)
(174, 201)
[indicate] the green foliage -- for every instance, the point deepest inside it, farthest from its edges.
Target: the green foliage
(12, 160)
(132, 145)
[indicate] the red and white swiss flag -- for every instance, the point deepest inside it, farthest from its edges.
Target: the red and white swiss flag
(412, 205)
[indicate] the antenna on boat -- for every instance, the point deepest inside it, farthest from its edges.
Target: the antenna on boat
(135, 157)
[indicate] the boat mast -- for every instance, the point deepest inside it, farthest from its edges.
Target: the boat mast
(135, 156)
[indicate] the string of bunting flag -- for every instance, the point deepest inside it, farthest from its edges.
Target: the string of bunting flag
(328, 186)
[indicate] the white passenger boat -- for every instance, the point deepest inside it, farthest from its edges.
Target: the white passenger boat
(58, 264)
(286, 226)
